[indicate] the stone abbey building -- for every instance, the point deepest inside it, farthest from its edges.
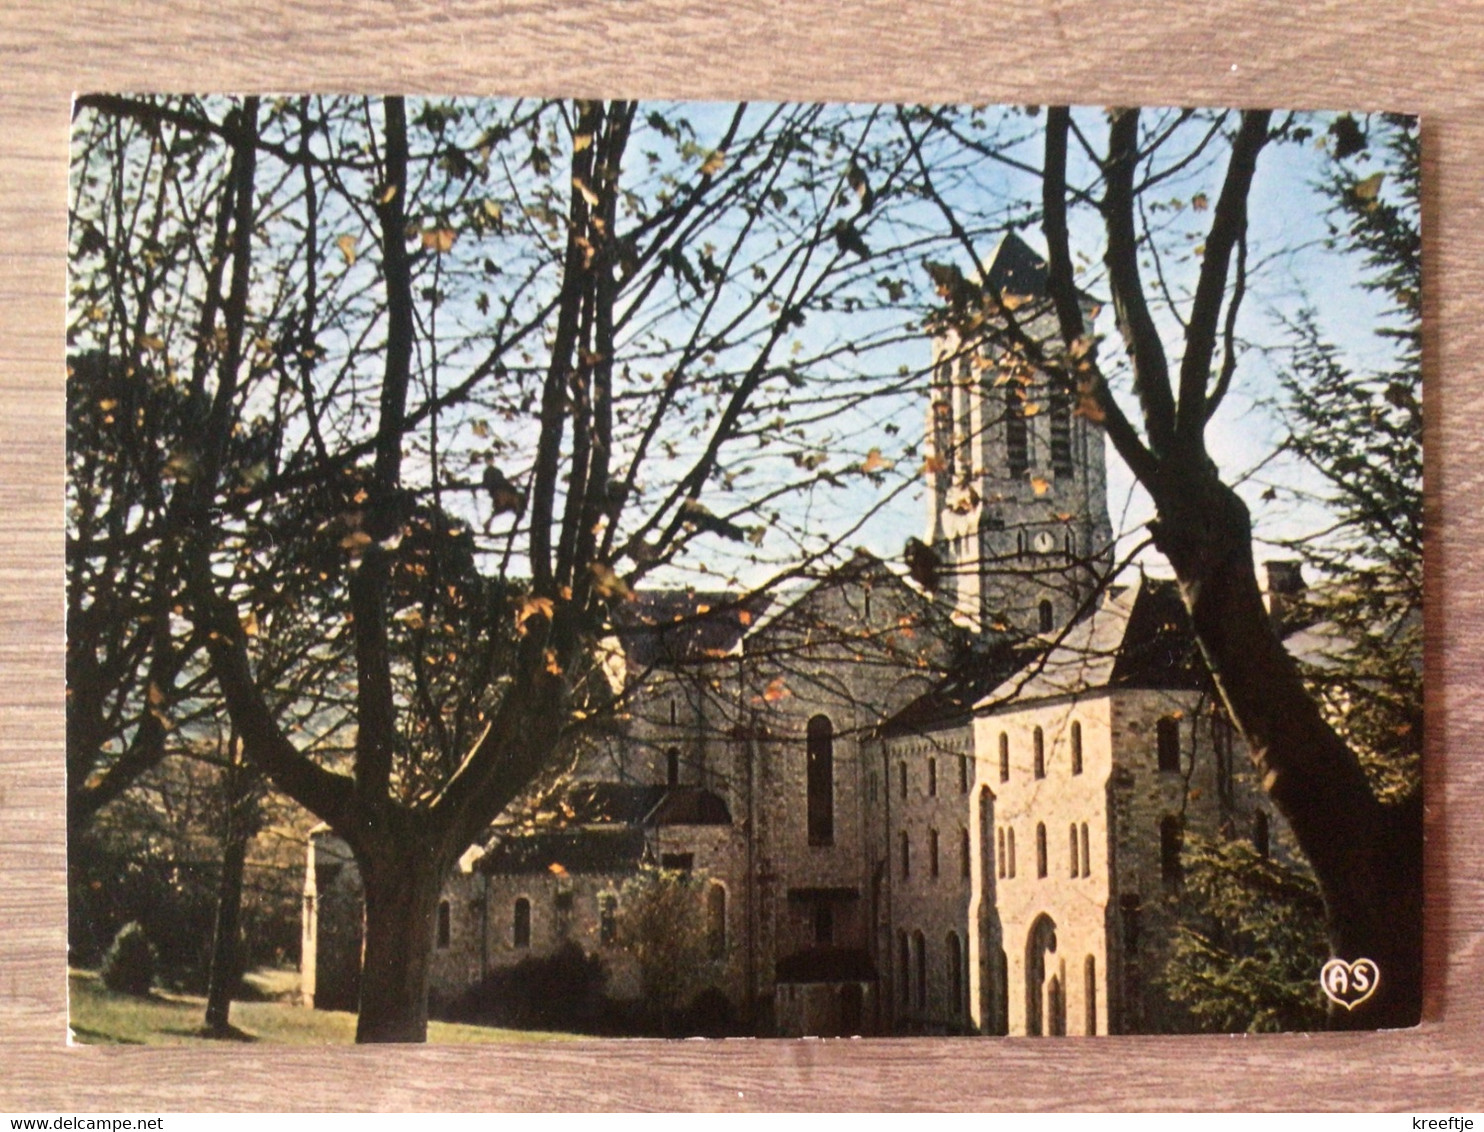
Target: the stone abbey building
(946, 799)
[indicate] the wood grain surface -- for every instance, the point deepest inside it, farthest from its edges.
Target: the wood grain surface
(1425, 56)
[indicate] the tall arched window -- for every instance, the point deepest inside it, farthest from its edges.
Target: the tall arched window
(716, 920)
(904, 968)
(1038, 738)
(902, 775)
(932, 778)
(1076, 747)
(999, 845)
(965, 854)
(1072, 845)
(933, 853)
(1046, 614)
(919, 945)
(1167, 736)
(1040, 849)
(1017, 435)
(1086, 857)
(963, 774)
(906, 855)
(1171, 837)
(521, 932)
(1010, 851)
(821, 744)
(1004, 757)
(672, 767)
(1090, 994)
(955, 975)
(1260, 833)
(445, 924)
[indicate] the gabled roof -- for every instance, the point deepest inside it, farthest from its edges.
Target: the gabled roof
(668, 627)
(1014, 268)
(601, 851)
(607, 803)
(950, 703)
(1138, 637)
(689, 805)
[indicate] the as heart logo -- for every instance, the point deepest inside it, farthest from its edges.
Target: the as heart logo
(1349, 984)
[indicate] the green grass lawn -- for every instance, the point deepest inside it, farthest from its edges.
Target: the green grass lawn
(101, 1017)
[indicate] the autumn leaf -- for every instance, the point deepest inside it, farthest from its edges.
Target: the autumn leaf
(250, 627)
(1368, 189)
(875, 462)
(412, 617)
(775, 690)
(556, 869)
(439, 239)
(1199, 202)
(552, 666)
(607, 584)
(156, 697)
(152, 342)
(744, 617)
(347, 246)
(934, 465)
(386, 195)
(533, 607)
(714, 162)
(1030, 408)
(1039, 485)
(580, 142)
(586, 190)
(356, 540)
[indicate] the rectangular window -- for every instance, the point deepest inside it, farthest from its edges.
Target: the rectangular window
(932, 778)
(963, 774)
(1017, 433)
(933, 852)
(902, 774)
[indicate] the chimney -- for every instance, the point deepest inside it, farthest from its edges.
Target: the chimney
(1285, 589)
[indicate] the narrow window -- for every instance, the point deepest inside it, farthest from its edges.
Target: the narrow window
(1004, 757)
(1038, 738)
(955, 975)
(1017, 435)
(672, 767)
(821, 744)
(965, 863)
(873, 785)
(904, 966)
(963, 774)
(1072, 845)
(1040, 849)
(919, 944)
(608, 919)
(445, 925)
(1086, 858)
(1010, 849)
(999, 844)
(1047, 615)
(933, 853)
(1167, 736)
(673, 715)
(906, 856)
(824, 924)
(1090, 994)
(1076, 747)
(1070, 542)
(902, 774)
(1261, 837)
(522, 927)
(1170, 838)
(932, 778)
(1061, 435)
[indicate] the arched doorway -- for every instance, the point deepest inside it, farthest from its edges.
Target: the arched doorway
(1039, 941)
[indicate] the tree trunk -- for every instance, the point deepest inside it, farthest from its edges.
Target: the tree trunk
(1366, 856)
(226, 971)
(402, 888)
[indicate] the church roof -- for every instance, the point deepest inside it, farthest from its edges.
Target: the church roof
(1139, 636)
(950, 703)
(669, 627)
(689, 805)
(1014, 268)
(602, 851)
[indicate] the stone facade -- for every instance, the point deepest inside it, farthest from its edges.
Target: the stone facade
(915, 808)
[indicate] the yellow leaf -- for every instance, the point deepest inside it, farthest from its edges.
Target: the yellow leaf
(714, 162)
(875, 462)
(607, 584)
(439, 239)
(356, 540)
(493, 209)
(412, 617)
(551, 663)
(152, 342)
(250, 624)
(580, 142)
(1039, 485)
(347, 246)
(1199, 202)
(181, 466)
(744, 617)
(775, 690)
(1030, 408)
(108, 405)
(532, 607)
(156, 696)
(1369, 188)
(386, 195)
(481, 429)
(556, 869)
(586, 190)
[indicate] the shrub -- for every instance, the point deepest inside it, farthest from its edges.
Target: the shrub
(561, 991)
(129, 966)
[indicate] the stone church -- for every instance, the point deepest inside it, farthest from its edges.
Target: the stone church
(947, 798)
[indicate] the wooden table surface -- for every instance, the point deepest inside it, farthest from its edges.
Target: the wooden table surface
(1423, 56)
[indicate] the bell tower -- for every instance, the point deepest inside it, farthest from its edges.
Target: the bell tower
(1018, 503)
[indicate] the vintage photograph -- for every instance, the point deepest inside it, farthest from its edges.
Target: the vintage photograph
(549, 567)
